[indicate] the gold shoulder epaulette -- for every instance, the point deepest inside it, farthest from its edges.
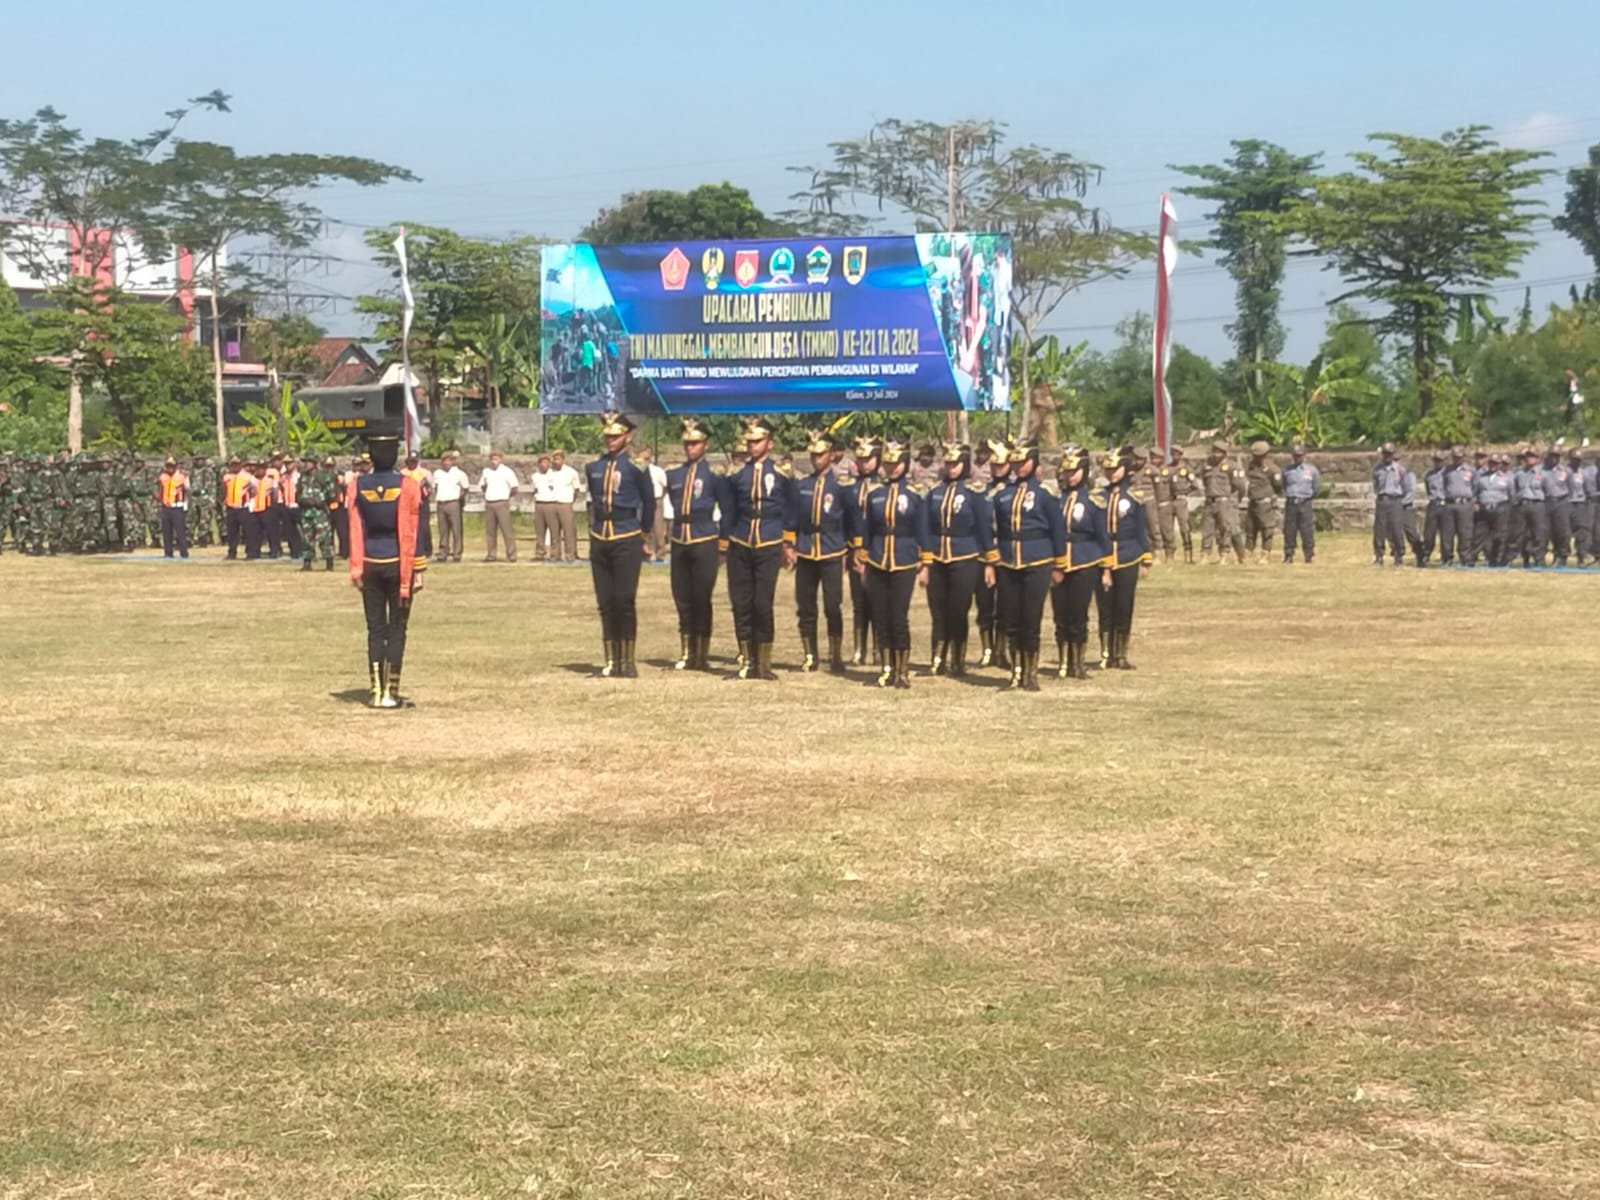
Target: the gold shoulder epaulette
(976, 486)
(1098, 499)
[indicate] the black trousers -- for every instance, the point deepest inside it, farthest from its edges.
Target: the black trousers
(341, 530)
(272, 530)
(614, 566)
(827, 574)
(890, 595)
(387, 614)
(694, 577)
(1455, 532)
(255, 529)
(1489, 535)
(1432, 527)
(950, 589)
(1116, 603)
(860, 610)
(174, 531)
(1070, 603)
(1582, 527)
(233, 528)
(986, 602)
(1019, 603)
(1531, 531)
(1299, 523)
(752, 588)
(1388, 528)
(289, 527)
(1559, 520)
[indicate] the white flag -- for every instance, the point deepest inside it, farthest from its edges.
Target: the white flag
(413, 438)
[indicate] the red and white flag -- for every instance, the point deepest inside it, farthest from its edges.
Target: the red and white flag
(408, 310)
(1162, 356)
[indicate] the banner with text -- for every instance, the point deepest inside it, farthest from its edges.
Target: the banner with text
(790, 325)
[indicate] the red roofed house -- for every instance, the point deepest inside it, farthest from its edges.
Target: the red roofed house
(344, 362)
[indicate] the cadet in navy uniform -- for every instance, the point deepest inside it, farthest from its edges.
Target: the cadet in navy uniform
(1130, 556)
(990, 633)
(1088, 559)
(1031, 538)
(622, 505)
(386, 563)
(866, 454)
(821, 541)
(758, 522)
(893, 535)
(694, 489)
(960, 554)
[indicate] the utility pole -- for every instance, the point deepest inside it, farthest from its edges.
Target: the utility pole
(953, 422)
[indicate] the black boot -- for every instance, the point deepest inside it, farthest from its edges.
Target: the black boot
(392, 688)
(1079, 652)
(1063, 661)
(902, 669)
(858, 657)
(941, 651)
(885, 677)
(1030, 670)
(986, 642)
(305, 566)
(808, 643)
(835, 654)
(629, 670)
(764, 669)
(612, 653)
(744, 660)
(1002, 652)
(686, 645)
(375, 672)
(327, 564)
(957, 665)
(1105, 651)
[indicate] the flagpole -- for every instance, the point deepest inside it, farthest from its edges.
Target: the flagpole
(413, 431)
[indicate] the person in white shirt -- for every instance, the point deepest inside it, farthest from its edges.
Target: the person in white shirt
(657, 541)
(499, 484)
(546, 525)
(563, 488)
(450, 484)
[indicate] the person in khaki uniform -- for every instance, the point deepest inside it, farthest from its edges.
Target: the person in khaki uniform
(1185, 483)
(1170, 505)
(1262, 483)
(1142, 472)
(1222, 484)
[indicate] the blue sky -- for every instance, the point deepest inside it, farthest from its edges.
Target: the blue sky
(528, 117)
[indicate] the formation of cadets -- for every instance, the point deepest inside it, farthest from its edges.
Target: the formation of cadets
(998, 540)
(1534, 508)
(84, 503)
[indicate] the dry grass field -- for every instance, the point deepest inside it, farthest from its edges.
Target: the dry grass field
(1308, 906)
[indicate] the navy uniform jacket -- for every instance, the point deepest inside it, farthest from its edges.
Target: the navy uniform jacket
(825, 524)
(1088, 542)
(694, 489)
(622, 502)
(960, 523)
(896, 525)
(1125, 524)
(760, 508)
(378, 508)
(1029, 528)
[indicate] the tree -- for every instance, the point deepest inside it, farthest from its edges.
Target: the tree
(1251, 189)
(710, 212)
(962, 176)
(132, 351)
(1433, 222)
(209, 195)
(1581, 220)
(460, 284)
(79, 195)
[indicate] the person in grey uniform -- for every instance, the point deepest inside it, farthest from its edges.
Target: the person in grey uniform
(1558, 505)
(1408, 514)
(1433, 491)
(1585, 482)
(1530, 530)
(1491, 492)
(1455, 524)
(1301, 481)
(1388, 517)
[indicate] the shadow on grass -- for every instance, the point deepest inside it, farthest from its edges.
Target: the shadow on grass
(359, 696)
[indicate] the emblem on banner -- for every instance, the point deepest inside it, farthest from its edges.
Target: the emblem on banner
(675, 270)
(818, 263)
(854, 266)
(711, 267)
(781, 265)
(746, 266)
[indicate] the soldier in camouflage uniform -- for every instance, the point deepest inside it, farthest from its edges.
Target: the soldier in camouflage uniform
(53, 505)
(315, 493)
(130, 522)
(146, 489)
(205, 484)
(7, 500)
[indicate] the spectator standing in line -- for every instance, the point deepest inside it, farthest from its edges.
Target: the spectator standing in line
(450, 484)
(566, 487)
(499, 484)
(545, 528)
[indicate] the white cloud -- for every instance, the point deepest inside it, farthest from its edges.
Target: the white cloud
(1538, 132)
